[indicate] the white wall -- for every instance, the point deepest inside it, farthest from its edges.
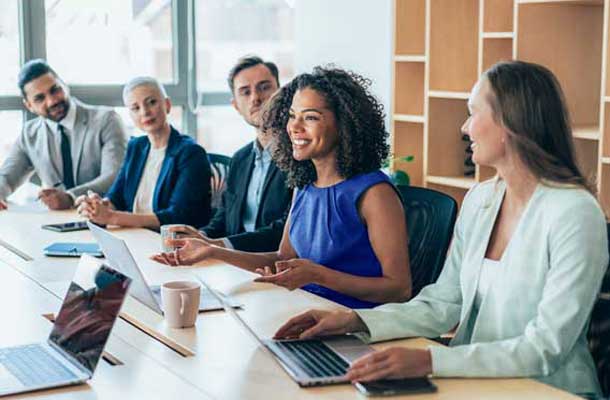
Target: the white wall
(353, 34)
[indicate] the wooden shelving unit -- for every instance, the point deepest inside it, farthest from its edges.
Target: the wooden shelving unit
(442, 47)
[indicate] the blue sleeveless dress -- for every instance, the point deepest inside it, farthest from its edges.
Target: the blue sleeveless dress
(325, 228)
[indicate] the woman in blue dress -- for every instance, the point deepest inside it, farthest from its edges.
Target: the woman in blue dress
(345, 238)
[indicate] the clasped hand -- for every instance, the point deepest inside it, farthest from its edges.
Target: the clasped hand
(94, 208)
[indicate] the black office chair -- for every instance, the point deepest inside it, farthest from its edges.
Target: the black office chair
(219, 164)
(599, 332)
(430, 219)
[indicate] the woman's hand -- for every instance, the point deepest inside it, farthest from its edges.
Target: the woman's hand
(291, 274)
(189, 232)
(186, 232)
(96, 209)
(320, 323)
(392, 363)
(188, 252)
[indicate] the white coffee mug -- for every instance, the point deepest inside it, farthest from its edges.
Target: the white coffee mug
(166, 234)
(180, 301)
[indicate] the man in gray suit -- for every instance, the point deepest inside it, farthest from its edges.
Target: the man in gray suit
(71, 146)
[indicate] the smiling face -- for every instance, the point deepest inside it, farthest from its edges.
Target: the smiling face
(252, 88)
(47, 97)
(147, 108)
(312, 127)
(488, 136)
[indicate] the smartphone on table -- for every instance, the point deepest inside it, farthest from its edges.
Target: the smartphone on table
(67, 226)
(395, 387)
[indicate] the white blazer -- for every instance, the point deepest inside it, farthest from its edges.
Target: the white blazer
(534, 318)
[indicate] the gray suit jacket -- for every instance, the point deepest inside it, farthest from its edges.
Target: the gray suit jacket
(98, 145)
(534, 318)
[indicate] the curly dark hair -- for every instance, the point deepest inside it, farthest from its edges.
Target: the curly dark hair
(362, 145)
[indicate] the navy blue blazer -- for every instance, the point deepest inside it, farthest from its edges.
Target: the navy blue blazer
(182, 192)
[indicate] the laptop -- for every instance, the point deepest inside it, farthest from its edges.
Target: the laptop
(119, 256)
(80, 332)
(310, 362)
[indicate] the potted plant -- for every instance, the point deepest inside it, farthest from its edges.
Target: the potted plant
(398, 176)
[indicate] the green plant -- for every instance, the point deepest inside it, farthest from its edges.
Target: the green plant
(398, 176)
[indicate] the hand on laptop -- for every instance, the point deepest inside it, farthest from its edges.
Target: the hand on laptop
(392, 363)
(3, 205)
(188, 252)
(291, 274)
(320, 323)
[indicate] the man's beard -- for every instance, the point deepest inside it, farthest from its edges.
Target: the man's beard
(65, 105)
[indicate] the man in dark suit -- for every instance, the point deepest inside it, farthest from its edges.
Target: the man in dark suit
(256, 201)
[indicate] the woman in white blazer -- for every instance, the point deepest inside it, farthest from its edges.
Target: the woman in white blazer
(526, 262)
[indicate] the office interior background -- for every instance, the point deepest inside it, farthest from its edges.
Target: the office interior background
(190, 45)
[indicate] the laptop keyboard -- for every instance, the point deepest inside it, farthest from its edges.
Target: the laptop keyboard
(32, 365)
(315, 357)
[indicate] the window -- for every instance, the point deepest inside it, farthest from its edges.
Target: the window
(9, 47)
(11, 123)
(222, 130)
(116, 40)
(226, 31)
(96, 46)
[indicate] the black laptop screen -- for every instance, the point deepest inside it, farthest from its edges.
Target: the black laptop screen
(88, 312)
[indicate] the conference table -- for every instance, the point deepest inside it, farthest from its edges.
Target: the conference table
(216, 359)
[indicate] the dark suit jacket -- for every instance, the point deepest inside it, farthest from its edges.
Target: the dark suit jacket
(272, 211)
(182, 192)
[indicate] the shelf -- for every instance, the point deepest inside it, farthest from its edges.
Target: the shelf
(409, 81)
(552, 34)
(410, 27)
(498, 35)
(604, 184)
(446, 150)
(451, 181)
(587, 157)
(409, 58)
(568, 2)
(498, 15)
(586, 132)
(496, 50)
(453, 45)
(448, 95)
(605, 131)
(417, 119)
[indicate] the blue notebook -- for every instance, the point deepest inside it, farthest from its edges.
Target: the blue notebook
(73, 249)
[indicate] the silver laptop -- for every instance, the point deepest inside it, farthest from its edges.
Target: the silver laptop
(310, 362)
(80, 332)
(119, 256)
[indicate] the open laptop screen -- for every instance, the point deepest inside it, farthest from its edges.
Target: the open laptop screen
(88, 312)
